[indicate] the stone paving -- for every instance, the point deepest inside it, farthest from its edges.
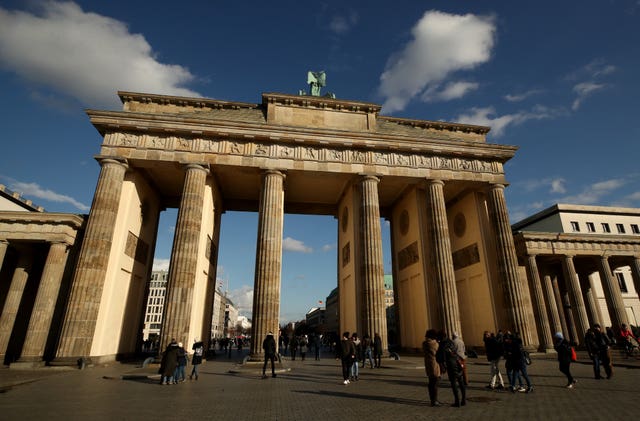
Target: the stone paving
(311, 390)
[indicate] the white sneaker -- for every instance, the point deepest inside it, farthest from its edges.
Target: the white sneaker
(345, 382)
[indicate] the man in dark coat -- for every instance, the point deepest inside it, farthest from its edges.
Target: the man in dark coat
(347, 355)
(169, 362)
(269, 347)
(196, 360)
(447, 356)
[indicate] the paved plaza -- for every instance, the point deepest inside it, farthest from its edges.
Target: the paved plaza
(311, 390)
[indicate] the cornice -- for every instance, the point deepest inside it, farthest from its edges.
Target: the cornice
(308, 101)
(183, 101)
(438, 125)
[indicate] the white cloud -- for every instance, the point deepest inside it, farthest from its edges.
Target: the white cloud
(34, 190)
(290, 244)
(242, 298)
(557, 186)
(161, 264)
(329, 247)
(594, 193)
(341, 24)
(522, 96)
(453, 90)
(84, 55)
(487, 117)
(442, 44)
(583, 90)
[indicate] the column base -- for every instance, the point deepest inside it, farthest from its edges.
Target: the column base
(27, 364)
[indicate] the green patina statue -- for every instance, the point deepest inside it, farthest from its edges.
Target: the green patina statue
(316, 81)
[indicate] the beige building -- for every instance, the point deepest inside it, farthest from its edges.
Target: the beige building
(441, 186)
(583, 267)
(155, 305)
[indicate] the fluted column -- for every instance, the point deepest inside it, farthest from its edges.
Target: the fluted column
(441, 258)
(590, 299)
(571, 324)
(266, 290)
(544, 331)
(88, 281)
(560, 305)
(512, 289)
(372, 265)
(555, 326)
(635, 273)
(44, 306)
(184, 257)
(575, 295)
(612, 294)
(4, 244)
(14, 296)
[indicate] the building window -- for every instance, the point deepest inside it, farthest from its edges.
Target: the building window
(635, 229)
(620, 228)
(605, 227)
(575, 226)
(591, 227)
(621, 282)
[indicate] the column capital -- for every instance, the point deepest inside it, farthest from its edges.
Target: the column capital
(196, 166)
(496, 186)
(374, 177)
(104, 159)
(437, 181)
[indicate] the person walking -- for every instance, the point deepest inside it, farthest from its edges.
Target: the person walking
(564, 350)
(304, 346)
(269, 347)
(598, 347)
(367, 347)
(377, 349)
(346, 354)
(293, 347)
(431, 366)
(355, 371)
(494, 351)
(169, 363)
(461, 351)
(196, 360)
(448, 357)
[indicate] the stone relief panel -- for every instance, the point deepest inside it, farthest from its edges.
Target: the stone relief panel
(408, 255)
(346, 254)
(466, 256)
(136, 248)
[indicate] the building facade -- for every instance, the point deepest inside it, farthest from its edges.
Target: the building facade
(582, 264)
(441, 186)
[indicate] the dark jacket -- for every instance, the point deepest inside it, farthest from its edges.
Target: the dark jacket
(169, 360)
(347, 349)
(198, 350)
(493, 348)
(563, 348)
(269, 346)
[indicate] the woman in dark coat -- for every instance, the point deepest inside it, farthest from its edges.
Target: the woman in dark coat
(563, 348)
(431, 366)
(169, 362)
(447, 356)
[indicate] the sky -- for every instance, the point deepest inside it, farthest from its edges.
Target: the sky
(558, 79)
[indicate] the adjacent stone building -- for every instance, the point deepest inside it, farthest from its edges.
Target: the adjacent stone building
(583, 267)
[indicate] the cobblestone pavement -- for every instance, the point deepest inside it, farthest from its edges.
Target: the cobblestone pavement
(311, 390)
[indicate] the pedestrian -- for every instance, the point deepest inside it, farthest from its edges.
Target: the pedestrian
(518, 365)
(431, 366)
(448, 357)
(368, 351)
(293, 347)
(494, 351)
(196, 360)
(355, 371)
(269, 347)
(180, 374)
(598, 347)
(346, 354)
(169, 363)
(462, 355)
(377, 349)
(304, 346)
(317, 343)
(565, 351)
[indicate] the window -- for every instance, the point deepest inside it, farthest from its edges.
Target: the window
(605, 227)
(621, 282)
(591, 227)
(620, 228)
(635, 229)
(575, 226)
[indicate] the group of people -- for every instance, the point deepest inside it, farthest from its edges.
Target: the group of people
(352, 352)
(509, 346)
(445, 355)
(174, 362)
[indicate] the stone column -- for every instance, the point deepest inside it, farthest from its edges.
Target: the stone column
(589, 299)
(556, 326)
(514, 297)
(571, 325)
(4, 245)
(88, 280)
(560, 306)
(44, 306)
(441, 258)
(266, 290)
(575, 295)
(544, 331)
(635, 273)
(374, 317)
(612, 294)
(14, 297)
(184, 258)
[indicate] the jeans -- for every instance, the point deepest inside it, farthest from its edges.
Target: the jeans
(194, 371)
(179, 373)
(367, 356)
(354, 369)
(496, 376)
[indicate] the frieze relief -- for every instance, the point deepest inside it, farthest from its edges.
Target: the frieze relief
(302, 152)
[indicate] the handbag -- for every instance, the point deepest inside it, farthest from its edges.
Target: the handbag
(574, 356)
(527, 357)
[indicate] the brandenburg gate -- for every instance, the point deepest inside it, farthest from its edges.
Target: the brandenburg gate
(440, 185)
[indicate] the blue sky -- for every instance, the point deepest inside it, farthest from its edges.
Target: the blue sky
(557, 79)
